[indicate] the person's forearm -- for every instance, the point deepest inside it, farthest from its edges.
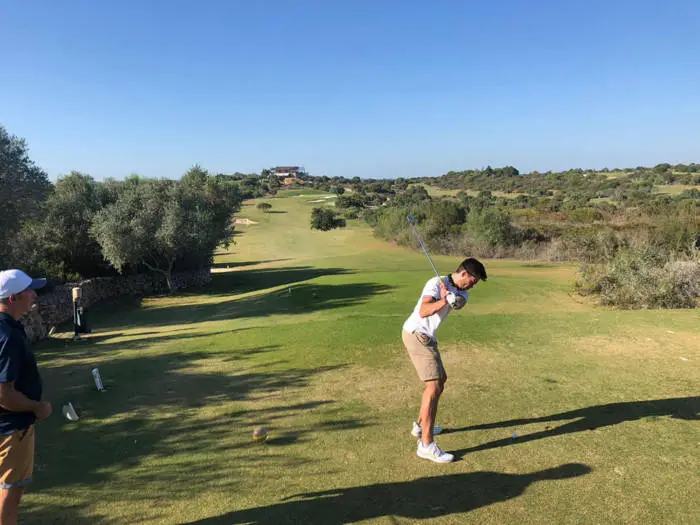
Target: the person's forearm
(428, 309)
(15, 401)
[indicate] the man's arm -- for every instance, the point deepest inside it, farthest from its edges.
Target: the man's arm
(15, 401)
(430, 305)
(10, 398)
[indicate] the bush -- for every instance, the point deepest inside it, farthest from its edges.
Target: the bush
(352, 213)
(588, 244)
(491, 227)
(643, 277)
(166, 225)
(325, 219)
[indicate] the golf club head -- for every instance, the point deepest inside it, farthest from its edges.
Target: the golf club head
(411, 219)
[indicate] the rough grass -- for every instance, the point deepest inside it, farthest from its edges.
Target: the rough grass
(300, 331)
(435, 191)
(674, 189)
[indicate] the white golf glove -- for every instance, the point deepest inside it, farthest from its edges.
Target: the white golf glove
(455, 301)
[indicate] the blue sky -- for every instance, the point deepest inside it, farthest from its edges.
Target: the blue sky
(362, 88)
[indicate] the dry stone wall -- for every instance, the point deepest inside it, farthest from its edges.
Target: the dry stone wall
(56, 305)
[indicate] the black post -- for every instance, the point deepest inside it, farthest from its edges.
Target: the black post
(76, 300)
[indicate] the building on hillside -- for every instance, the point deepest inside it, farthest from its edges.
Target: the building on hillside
(284, 172)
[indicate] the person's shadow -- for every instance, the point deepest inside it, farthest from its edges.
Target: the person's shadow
(589, 418)
(423, 498)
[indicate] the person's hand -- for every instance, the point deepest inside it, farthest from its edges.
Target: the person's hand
(443, 290)
(456, 301)
(43, 410)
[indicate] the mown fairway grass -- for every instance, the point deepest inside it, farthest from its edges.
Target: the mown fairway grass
(300, 331)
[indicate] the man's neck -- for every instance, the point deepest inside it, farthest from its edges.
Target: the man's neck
(12, 312)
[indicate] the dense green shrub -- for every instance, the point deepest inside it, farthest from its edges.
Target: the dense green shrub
(325, 219)
(643, 277)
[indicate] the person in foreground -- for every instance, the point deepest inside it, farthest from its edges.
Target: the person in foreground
(438, 299)
(20, 392)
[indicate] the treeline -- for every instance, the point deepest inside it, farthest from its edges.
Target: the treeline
(80, 227)
(607, 224)
(616, 184)
(527, 227)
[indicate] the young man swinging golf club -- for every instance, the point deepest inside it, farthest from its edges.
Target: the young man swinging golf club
(440, 296)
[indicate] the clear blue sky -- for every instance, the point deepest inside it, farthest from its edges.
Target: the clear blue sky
(369, 88)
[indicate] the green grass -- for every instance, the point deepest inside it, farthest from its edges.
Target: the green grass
(674, 189)
(300, 331)
(435, 191)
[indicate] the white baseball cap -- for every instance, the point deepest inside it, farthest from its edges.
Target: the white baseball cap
(13, 282)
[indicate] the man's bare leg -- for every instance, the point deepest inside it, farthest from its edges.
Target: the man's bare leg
(9, 505)
(428, 409)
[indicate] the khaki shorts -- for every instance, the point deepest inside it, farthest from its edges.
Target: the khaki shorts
(425, 355)
(17, 458)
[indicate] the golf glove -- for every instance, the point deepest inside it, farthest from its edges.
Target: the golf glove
(455, 301)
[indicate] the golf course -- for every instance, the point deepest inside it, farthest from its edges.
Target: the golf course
(558, 411)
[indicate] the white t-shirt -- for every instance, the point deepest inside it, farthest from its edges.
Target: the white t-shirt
(428, 325)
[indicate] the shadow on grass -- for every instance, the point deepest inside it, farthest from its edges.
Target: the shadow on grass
(163, 409)
(296, 297)
(244, 281)
(590, 418)
(292, 300)
(239, 264)
(63, 515)
(423, 498)
(96, 344)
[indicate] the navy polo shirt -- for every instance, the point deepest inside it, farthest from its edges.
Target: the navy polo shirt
(18, 364)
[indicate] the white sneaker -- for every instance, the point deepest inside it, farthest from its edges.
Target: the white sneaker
(433, 453)
(417, 431)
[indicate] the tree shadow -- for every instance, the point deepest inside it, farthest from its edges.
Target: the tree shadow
(239, 264)
(63, 515)
(423, 498)
(176, 379)
(291, 297)
(293, 300)
(245, 281)
(151, 408)
(96, 344)
(590, 418)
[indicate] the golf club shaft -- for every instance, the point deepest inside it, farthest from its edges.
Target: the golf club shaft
(420, 241)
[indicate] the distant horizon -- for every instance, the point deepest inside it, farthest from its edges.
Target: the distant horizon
(239, 172)
(362, 89)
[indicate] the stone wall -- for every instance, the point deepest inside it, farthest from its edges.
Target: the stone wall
(56, 305)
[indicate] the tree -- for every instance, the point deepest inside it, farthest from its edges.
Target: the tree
(23, 188)
(325, 219)
(273, 183)
(159, 224)
(264, 207)
(491, 226)
(64, 232)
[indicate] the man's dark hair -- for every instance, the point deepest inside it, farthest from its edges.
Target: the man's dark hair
(473, 268)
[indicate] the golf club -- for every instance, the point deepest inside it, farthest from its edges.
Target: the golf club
(420, 241)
